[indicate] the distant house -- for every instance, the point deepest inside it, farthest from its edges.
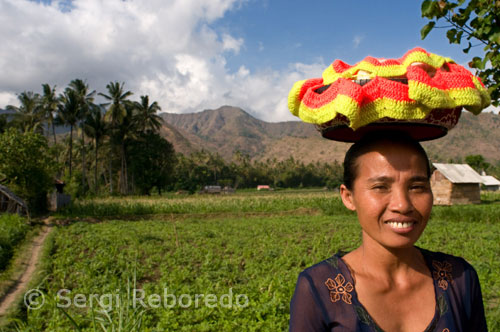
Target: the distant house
(455, 184)
(57, 199)
(490, 183)
(211, 190)
(11, 203)
(263, 187)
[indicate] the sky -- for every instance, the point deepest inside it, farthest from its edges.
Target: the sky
(192, 55)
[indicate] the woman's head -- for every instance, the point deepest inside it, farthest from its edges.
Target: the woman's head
(372, 140)
(387, 184)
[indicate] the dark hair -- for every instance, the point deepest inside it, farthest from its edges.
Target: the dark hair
(370, 140)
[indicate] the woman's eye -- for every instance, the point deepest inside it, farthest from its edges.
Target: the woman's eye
(419, 187)
(380, 188)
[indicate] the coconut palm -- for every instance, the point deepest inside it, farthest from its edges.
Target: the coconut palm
(147, 116)
(120, 116)
(95, 127)
(117, 99)
(85, 102)
(27, 116)
(69, 109)
(49, 104)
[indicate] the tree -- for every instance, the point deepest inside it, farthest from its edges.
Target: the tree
(146, 114)
(120, 117)
(27, 166)
(49, 104)
(476, 21)
(477, 162)
(152, 159)
(95, 127)
(68, 115)
(85, 102)
(118, 98)
(28, 116)
(3, 122)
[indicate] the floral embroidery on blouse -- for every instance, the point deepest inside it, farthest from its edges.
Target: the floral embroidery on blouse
(338, 288)
(442, 274)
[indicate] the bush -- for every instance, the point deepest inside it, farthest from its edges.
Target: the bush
(26, 167)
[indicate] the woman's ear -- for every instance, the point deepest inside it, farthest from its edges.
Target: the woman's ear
(347, 198)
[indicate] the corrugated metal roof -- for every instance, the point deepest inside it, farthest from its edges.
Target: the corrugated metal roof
(489, 180)
(459, 173)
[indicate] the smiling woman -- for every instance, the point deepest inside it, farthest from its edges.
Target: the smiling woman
(387, 283)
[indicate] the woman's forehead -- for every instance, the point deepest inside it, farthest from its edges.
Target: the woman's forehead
(398, 157)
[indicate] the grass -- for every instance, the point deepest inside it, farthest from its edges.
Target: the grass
(13, 230)
(202, 204)
(250, 244)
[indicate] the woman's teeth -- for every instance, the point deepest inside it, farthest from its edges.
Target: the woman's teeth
(395, 224)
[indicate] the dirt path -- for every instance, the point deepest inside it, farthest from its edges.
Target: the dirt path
(20, 284)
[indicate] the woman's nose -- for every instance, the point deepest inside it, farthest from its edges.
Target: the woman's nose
(400, 201)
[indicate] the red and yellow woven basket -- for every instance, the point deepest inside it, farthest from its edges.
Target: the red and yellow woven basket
(421, 93)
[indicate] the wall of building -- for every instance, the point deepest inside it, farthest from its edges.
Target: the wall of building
(447, 193)
(441, 189)
(466, 193)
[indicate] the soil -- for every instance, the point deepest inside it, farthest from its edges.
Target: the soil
(20, 285)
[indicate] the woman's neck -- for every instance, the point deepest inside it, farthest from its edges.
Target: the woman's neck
(380, 262)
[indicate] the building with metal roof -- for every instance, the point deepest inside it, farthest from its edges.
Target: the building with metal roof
(455, 184)
(490, 182)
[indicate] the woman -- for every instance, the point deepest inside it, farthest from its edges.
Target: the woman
(388, 284)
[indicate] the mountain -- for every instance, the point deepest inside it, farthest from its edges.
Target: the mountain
(229, 129)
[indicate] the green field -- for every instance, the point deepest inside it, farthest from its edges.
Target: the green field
(249, 245)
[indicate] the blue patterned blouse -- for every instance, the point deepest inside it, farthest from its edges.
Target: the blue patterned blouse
(325, 298)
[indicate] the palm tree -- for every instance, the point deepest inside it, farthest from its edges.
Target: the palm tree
(68, 114)
(147, 117)
(95, 127)
(28, 115)
(85, 102)
(49, 104)
(120, 117)
(118, 98)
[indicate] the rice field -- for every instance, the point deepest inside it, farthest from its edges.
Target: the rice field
(241, 253)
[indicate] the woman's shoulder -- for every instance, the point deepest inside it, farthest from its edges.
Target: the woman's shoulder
(443, 259)
(448, 270)
(326, 266)
(320, 273)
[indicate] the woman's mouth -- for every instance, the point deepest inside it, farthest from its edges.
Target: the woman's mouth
(396, 224)
(401, 226)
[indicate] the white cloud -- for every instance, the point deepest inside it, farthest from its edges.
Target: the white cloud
(7, 98)
(356, 41)
(166, 49)
(230, 43)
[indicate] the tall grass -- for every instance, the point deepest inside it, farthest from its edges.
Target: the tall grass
(322, 201)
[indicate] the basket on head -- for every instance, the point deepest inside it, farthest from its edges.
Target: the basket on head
(421, 94)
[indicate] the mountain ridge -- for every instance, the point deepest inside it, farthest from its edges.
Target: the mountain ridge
(229, 129)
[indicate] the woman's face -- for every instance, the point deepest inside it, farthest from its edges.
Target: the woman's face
(391, 195)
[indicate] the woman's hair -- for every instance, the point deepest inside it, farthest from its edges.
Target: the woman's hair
(366, 144)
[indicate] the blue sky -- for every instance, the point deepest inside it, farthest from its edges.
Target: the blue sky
(280, 32)
(191, 55)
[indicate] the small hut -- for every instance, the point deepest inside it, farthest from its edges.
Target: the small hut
(11, 203)
(490, 183)
(455, 184)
